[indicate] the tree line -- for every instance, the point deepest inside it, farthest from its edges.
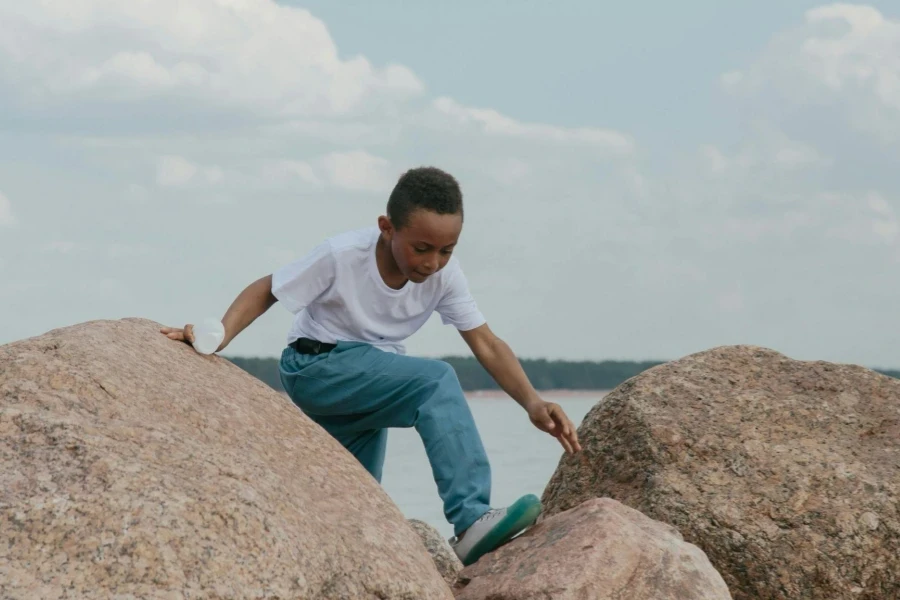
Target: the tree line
(544, 374)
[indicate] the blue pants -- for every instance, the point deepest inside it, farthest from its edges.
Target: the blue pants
(356, 391)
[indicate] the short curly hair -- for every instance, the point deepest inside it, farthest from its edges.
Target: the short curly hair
(424, 187)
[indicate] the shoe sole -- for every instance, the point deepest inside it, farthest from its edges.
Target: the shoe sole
(522, 513)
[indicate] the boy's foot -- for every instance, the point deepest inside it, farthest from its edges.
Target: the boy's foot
(495, 528)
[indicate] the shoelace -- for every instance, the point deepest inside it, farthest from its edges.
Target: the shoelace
(488, 516)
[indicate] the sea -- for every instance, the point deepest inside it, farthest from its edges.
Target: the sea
(522, 457)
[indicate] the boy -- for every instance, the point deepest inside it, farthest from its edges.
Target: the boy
(357, 297)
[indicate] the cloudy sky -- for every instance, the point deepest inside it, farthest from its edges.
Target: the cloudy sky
(642, 180)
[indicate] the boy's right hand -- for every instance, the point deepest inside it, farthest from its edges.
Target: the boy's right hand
(185, 334)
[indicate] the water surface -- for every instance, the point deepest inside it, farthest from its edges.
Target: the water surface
(522, 457)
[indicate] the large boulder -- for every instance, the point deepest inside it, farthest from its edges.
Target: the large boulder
(785, 473)
(445, 559)
(133, 467)
(602, 550)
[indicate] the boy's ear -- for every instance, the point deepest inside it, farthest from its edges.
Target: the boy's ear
(386, 227)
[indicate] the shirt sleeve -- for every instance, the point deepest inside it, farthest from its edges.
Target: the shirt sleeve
(457, 307)
(299, 283)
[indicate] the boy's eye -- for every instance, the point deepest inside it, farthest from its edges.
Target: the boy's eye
(420, 250)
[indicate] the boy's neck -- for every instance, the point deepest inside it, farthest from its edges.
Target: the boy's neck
(387, 266)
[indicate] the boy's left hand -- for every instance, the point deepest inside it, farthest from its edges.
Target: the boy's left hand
(550, 417)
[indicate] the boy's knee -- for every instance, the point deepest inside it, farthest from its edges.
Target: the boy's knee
(445, 373)
(441, 381)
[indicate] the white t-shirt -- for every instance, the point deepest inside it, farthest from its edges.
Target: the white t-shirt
(337, 294)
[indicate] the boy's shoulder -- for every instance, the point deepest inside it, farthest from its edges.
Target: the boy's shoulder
(355, 239)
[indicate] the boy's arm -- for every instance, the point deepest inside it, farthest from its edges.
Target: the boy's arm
(501, 363)
(250, 304)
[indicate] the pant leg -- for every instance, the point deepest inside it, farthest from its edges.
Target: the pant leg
(367, 446)
(357, 388)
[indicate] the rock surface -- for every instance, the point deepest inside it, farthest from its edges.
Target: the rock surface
(445, 559)
(785, 473)
(133, 467)
(602, 550)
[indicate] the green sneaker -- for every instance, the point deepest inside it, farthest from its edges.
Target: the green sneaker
(495, 528)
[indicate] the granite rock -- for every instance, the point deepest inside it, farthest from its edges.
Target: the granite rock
(133, 467)
(445, 559)
(785, 473)
(602, 550)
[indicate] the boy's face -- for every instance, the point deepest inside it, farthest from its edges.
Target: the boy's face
(425, 244)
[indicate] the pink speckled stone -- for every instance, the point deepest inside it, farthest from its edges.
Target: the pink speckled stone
(133, 467)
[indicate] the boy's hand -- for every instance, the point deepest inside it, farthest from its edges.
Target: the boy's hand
(182, 335)
(551, 418)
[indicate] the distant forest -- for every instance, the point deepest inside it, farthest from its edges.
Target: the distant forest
(544, 374)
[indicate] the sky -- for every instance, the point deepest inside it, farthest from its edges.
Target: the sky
(641, 180)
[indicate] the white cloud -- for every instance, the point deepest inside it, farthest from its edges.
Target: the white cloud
(701, 238)
(886, 229)
(879, 205)
(884, 222)
(784, 225)
(766, 147)
(771, 193)
(732, 78)
(814, 100)
(175, 171)
(493, 123)
(358, 171)
(290, 171)
(797, 155)
(254, 55)
(844, 55)
(716, 161)
(136, 194)
(213, 175)
(143, 72)
(510, 171)
(854, 45)
(861, 219)
(343, 132)
(7, 219)
(354, 170)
